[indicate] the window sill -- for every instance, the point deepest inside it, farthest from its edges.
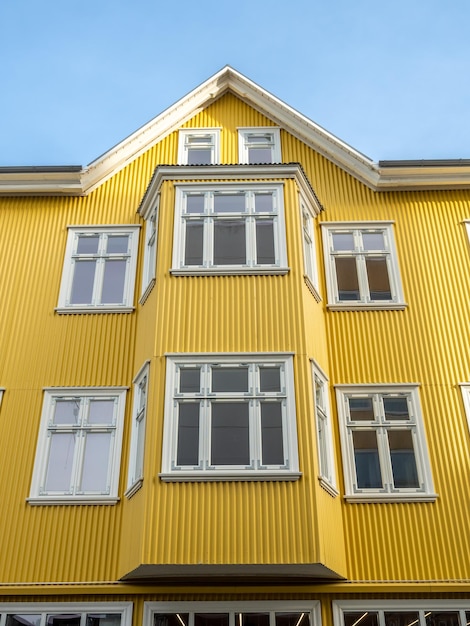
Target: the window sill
(71, 500)
(147, 290)
(313, 290)
(328, 487)
(229, 271)
(390, 497)
(367, 306)
(134, 488)
(94, 309)
(212, 476)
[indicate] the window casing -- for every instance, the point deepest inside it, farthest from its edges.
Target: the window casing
(308, 241)
(383, 443)
(465, 389)
(229, 228)
(326, 459)
(199, 146)
(259, 145)
(150, 253)
(230, 418)
(79, 446)
(99, 269)
(139, 414)
(261, 613)
(401, 612)
(66, 614)
(361, 266)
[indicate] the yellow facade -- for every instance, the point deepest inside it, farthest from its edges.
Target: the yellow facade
(373, 550)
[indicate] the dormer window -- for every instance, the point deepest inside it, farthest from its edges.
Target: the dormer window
(199, 146)
(259, 145)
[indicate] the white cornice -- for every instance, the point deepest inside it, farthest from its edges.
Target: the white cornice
(407, 175)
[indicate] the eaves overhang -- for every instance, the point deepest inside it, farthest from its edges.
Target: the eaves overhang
(215, 173)
(381, 176)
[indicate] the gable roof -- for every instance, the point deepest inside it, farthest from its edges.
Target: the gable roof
(384, 175)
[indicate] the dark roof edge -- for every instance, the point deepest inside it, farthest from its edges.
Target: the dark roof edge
(424, 163)
(40, 169)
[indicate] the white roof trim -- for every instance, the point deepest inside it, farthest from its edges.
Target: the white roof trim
(399, 177)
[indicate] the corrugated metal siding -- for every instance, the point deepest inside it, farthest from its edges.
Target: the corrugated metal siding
(236, 522)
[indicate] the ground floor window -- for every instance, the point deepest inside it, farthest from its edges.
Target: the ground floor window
(402, 613)
(66, 614)
(232, 614)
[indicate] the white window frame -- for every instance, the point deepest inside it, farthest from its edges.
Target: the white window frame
(388, 492)
(423, 606)
(2, 389)
(312, 607)
(261, 131)
(72, 496)
(323, 428)
(465, 390)
(124, 609)
(95, 306)
(307, 220)
(254, 471)
(389, 254)
(249, 217)
(150, 252)
(213, 141)
(139, 417)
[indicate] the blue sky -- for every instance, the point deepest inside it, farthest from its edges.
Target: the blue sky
(391, 79)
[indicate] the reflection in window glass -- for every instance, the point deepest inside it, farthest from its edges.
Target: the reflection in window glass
(171, 619)
(230, 441)
(230, 379)
(271, 433)
(347, 279)
(366, 456)
(401, 618)
(253, 619)
(188, 434)
(190, 379)
(364, 618)
(292, 619)
(211, 619)
(229, 242)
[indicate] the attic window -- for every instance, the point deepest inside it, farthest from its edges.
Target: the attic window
(199, 146)
(259, 145)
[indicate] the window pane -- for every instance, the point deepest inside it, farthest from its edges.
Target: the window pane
(118, 244)
(60, 462)
(66, 411)
(401, 618)
(230, 433)
(103, 619)
(253, 138)
(364, 618)
(373, 241)
(405, 473)
(346, 276)
(442, 618)
(63, 620)
(271, 433)
(229, 243)
(292, 619)
(396, 409)
(269, 379)
(23, 620)
(194, 243)
(253, 619)
(190, 380)
(171, 619)
(88, 245)
(199, 156)
(379, 282)
(343, 241)
(113, 281)
(195, 203)
(265, 253)
(210, 619)
(83, 280)
(101, 411)
(264, 202)
(230, 379)
(260, 155)
(361, 409)
(366, 456)
(96, 462)
(188, 434)
(229, 203)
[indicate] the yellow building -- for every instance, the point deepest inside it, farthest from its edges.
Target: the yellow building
(235, 379)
